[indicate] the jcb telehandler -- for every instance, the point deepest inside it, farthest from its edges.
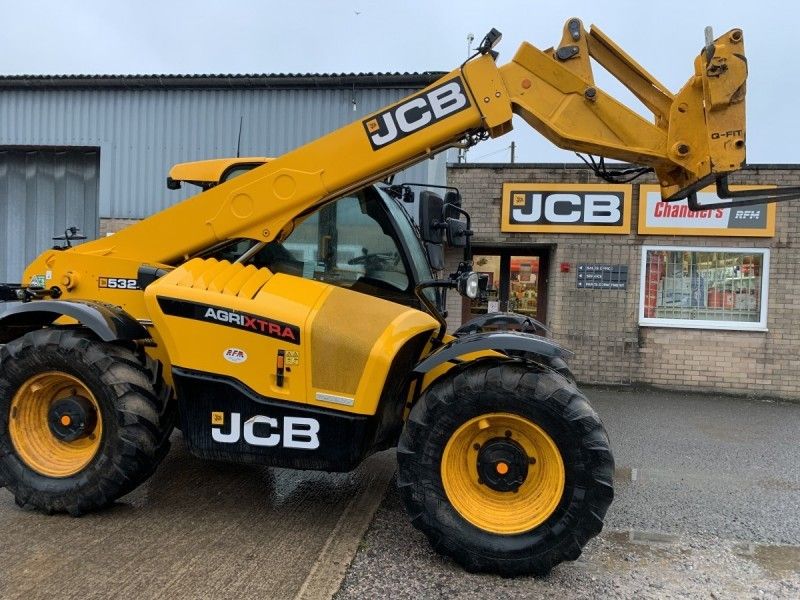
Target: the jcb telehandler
(288, 316)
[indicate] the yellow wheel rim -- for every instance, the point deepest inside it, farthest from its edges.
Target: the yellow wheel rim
(34, 441)
(502, 512)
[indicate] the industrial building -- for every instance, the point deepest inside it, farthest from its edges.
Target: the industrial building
(642, 292)
(94, 151)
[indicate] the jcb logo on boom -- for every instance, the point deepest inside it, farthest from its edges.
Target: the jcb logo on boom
(420, 111)
(295, 432)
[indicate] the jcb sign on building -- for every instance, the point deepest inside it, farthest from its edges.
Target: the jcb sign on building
(566, 208)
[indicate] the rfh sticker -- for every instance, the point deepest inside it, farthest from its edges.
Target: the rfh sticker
(295, 432)
(415, 113)
(234, 355)
(231, 318)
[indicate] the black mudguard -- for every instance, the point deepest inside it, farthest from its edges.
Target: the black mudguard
(511, 342)
(507, 321)
(110, 323)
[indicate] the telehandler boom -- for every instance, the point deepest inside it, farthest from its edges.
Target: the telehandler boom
(288, 315)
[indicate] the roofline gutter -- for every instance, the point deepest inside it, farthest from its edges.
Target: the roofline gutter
(320, 81)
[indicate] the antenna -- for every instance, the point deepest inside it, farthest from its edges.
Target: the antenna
(462, 152)
(239, 140)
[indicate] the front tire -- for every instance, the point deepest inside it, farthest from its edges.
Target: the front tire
(80, 422)
(505, 467)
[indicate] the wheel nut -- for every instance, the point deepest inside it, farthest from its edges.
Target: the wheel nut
(476, 446)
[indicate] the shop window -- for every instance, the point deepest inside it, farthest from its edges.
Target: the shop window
(704, 288)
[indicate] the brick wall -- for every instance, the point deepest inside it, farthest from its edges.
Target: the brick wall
(114, 225)
(601, 326)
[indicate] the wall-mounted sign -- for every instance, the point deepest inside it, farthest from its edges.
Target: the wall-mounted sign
(675, 218)
(566, 208)
(601, 277)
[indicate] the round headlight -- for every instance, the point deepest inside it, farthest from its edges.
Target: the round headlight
(468, 285)
(472, 285)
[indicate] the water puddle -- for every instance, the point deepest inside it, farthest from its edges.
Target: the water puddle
(626, 474)
(634, 545)
(642, 538)
(777, 560)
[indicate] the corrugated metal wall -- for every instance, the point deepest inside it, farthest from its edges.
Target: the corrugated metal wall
(142, 133)
(42, 193)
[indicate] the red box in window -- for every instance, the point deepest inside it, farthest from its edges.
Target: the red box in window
(721, 299)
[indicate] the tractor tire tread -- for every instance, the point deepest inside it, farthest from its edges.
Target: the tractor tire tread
(562, 536)
(134, 437)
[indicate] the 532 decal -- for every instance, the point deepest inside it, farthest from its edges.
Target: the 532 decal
(117, 283)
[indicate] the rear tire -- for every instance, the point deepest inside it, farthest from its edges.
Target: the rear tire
(486, 528)
(131, 428)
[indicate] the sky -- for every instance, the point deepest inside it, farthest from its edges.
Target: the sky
(343, 36)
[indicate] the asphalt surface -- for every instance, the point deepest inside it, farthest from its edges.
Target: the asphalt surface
(197, 530)
(707, 506)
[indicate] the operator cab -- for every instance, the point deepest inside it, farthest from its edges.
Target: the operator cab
(365, 241)
(209, 173)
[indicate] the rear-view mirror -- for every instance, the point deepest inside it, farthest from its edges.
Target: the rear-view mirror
(430, 217)
(456, 233)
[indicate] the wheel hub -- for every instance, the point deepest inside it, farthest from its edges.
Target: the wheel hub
(502, 465)
(72, 418)
(503, 473)
(55, 424)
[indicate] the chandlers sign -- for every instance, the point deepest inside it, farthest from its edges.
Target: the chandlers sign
(566, 208)
(675, 218)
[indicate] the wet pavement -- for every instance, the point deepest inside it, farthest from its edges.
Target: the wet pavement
(707, 506)
(197, 530)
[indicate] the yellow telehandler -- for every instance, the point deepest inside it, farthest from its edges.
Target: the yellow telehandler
(288, 314)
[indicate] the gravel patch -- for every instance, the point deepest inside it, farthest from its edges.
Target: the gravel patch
(395, 561)
(707, 506)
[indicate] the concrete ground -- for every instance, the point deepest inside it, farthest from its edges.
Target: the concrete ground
(707, 506)
(197, 530)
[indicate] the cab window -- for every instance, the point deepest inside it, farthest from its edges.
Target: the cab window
(349, 243)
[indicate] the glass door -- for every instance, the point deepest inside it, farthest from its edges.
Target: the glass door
(516, 283)
(524, 285)
(489, 302)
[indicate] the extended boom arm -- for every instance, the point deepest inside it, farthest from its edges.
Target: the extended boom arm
(696, 137)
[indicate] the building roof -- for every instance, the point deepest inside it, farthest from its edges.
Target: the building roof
(223, 81)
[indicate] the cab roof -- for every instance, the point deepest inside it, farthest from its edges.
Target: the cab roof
(206, 173)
